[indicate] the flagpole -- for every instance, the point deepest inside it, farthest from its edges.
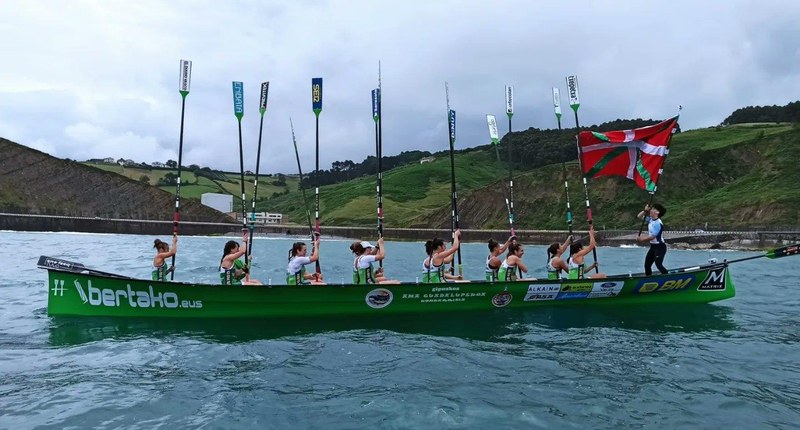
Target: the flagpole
(183, 89)
(238, 111)
(655, 185)
(316, 104)
(510, 112)
(451, 122)
(574, 103)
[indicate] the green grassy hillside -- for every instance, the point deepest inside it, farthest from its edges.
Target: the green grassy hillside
(193, 186)
(736, 176)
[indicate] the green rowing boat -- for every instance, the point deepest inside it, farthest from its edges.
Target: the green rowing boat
(74, 289)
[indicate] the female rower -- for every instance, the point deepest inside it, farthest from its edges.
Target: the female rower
(556, 264)
(512, 263)
(232, 270)
(296, 269)
(433, 267)
(577, 269)
(362, 264)
(163, 251)
(493, 261)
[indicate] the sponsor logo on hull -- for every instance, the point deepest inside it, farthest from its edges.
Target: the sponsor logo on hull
(542, 292)
(715, 280)
(379, 298)
(606, 289)
(133, 298)
(501, 299)
(673, 283)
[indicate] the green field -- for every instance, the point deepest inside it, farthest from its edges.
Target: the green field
(193, 186)
(735, 176)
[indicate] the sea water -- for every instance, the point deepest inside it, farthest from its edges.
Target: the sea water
(731, 364)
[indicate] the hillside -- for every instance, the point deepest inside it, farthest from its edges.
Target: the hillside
(735, 176)
(32, 182)
(194, 186)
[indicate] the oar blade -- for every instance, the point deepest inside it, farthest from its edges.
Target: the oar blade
(784, 252)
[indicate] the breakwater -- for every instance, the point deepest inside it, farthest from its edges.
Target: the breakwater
(734, 238)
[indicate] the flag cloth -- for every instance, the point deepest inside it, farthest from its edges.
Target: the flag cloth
(636, 154)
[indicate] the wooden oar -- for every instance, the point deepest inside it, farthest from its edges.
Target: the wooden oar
(302, 188)
(451, 121)
(316, 105)
(262, 107)
(771, 254)
(70, 266)
(574, 103)
(491, 121)
(183, 89)
(376, 116)
(238, 111)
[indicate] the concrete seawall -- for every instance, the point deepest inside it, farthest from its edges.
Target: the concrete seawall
(746, 239)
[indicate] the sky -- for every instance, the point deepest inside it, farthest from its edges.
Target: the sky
(95, 79)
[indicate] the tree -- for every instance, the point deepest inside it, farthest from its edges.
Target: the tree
(172, 164)
(144, 179)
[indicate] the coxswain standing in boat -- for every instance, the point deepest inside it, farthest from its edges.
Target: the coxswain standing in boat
(433, 267)
(513, 263)
(231, 269)
(555, 264)
(577, 267)
(296, 269)
(493, 261)
(655, 228)
(163, 251)
(363, 272)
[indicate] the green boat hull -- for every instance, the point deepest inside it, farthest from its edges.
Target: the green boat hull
(95, 294)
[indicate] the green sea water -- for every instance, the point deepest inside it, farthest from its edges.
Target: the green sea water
(731, 364)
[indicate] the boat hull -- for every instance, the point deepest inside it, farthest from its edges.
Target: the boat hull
(89, 294)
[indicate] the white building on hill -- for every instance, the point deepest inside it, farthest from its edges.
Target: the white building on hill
(220, 202)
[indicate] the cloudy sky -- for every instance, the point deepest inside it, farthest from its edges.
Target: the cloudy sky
(91, 79)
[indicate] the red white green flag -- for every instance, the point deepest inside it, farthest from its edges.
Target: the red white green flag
(636, 154)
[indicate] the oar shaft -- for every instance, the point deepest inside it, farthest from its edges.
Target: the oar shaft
(302, 187)
(176, 216)
(585, 185)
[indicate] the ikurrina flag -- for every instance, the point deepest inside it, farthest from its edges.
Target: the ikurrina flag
(636, 154)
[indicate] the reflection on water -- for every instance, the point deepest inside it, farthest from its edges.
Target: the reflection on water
(502, 325)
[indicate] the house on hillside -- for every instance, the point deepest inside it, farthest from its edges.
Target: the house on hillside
(261, 218)
(220, 202)
(426, 160)
(157, 164)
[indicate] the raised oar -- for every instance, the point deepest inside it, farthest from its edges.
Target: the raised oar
(510, 113)
(491, 121)
(376, 116)
(575, 103)
(183, 88)
(302, 188)
(262, 107)
(557, 109)
(238, 111)
(316, 105)
(557, 105)
(566, 195)
(451, 121)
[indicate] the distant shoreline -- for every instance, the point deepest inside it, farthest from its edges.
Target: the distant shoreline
(697, 239)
